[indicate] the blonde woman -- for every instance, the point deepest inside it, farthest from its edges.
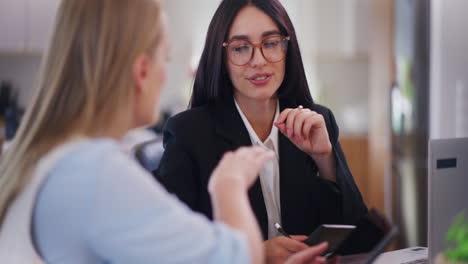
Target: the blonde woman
(67, 192)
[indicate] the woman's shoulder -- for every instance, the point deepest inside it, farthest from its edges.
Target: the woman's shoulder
(191, 120)
(199, 113)
(96, 161)
(321, 109)
(93, 154)
(89, 163)
(326, 113)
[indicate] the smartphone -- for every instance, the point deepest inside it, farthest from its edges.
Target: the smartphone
(333, 234)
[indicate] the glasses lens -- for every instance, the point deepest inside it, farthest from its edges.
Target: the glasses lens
(240, 52)
(274, 48)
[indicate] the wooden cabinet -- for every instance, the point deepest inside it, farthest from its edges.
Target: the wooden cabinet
(356, 150)
(25, 25)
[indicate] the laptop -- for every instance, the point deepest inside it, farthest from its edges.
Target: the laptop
(448, 195)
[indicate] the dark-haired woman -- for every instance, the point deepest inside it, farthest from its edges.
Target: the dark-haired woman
(251, 89)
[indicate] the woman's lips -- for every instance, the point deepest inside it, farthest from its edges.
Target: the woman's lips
(260, 79)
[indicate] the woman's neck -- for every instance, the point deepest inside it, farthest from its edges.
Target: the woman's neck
(260, 114)
(116, 131)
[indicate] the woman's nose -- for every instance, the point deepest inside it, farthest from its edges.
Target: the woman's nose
(258, 60)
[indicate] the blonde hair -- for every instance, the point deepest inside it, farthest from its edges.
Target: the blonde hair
(86, 81)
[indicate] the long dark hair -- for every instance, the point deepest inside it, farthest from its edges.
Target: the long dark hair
(212, 83)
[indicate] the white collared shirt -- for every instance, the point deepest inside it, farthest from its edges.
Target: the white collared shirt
(269, 175)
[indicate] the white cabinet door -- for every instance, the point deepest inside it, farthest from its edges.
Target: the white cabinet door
(12, 25)
(41, 20)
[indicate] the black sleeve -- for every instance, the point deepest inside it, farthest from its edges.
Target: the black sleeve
(177, 172)
(353, 207)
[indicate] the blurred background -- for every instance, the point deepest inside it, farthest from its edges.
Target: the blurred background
(394, 72)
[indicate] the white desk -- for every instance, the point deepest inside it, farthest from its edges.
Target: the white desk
(405, 255)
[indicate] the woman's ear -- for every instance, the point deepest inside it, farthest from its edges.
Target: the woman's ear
(141, 68)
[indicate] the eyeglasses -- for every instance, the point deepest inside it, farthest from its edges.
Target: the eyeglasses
(241, 52)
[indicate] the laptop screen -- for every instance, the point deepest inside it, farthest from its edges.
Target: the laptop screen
(448, 181)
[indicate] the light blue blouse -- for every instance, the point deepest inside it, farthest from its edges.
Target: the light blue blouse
(98, 206)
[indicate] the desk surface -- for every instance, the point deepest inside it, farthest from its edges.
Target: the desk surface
(403, 256)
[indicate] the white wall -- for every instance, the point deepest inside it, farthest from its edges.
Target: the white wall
(449, 69)
(333, 36)
(188, 23)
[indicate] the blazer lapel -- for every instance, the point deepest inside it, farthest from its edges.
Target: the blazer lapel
(233, 133)
(292, 166)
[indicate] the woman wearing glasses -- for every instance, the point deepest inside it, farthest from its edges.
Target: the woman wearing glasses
(67, 192)
(251, 89)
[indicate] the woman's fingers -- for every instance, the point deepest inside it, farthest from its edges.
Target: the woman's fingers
(312, 121)
(282, 128)
(310, 255)
(293, 245)
(252, 160)
(299, 123)
(287, 118)
(255, 156)
(283, 115)
(290, 121)
(306, 129)
(299, 238)
(262, 157)
(296, 123)
(242, 166)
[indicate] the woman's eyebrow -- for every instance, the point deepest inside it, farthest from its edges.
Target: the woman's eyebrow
(239, 37)
(270, 33)
(264, 34)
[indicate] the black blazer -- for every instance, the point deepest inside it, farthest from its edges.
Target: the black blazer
(196, 139)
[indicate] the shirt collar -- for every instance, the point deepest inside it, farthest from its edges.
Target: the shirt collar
(273, 136)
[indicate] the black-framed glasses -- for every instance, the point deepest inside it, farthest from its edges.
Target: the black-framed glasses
(241, 52)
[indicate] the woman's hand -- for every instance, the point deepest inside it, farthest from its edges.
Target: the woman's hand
(311, 255)
(228, 186)
(239, 168)
(279, 249)
(308, 131)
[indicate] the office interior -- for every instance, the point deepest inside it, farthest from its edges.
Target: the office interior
(394, 72)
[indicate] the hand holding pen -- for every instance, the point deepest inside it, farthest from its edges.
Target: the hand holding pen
(309, 255)
(280, 248)
(281, 230)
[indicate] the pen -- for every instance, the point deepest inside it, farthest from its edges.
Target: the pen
(281, 230)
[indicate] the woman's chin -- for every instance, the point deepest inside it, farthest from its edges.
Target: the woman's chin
(261, 94)
(264, 96)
